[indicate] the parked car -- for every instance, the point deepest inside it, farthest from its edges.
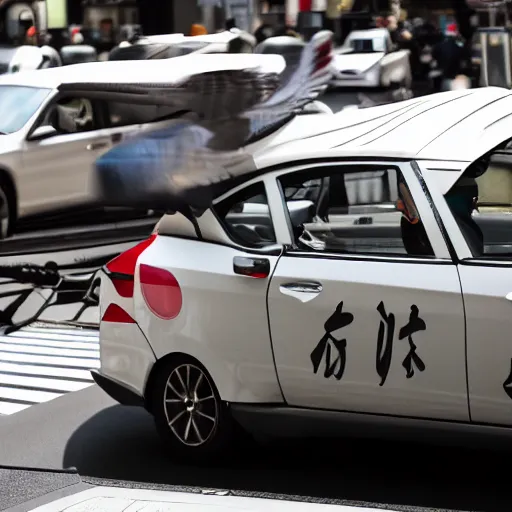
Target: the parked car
(335, 287)
(78, 54)
(368, 58)
(58, 129)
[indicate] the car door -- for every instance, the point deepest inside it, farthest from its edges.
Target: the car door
(486, 279)
(365, 310)
(57, 168)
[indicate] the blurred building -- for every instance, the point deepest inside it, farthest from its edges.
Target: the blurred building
(107, 17)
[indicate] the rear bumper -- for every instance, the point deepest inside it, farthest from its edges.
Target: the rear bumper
(117, 391)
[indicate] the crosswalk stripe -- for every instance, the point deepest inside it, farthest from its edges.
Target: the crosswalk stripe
(50, 351)
(47, 384)
(38, 364)
(88, 333)
(14, 340)
(51, 336)
(45, 371)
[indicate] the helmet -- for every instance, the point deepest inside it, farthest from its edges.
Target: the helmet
(451, 30)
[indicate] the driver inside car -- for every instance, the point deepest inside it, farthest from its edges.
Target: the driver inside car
(414, 236)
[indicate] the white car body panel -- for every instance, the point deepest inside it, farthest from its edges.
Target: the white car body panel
(487, 301)
(296, 328)
(238, 355)
(146, 71)
(125, 353)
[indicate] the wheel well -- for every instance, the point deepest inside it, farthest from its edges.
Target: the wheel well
(168, 358)
(12, 195)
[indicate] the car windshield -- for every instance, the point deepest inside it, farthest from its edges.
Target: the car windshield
(367, 45)
(17, 105)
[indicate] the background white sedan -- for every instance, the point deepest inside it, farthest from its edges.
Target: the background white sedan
(368, 58)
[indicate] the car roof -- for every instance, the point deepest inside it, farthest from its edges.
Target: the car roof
(451, 126)
(142, 71)
(455, 126)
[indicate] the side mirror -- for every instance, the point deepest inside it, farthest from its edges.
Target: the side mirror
(43, 132)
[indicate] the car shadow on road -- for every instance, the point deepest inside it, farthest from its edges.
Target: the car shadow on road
(121, 443)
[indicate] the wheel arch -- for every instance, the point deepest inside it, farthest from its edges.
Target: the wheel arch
(161, 363)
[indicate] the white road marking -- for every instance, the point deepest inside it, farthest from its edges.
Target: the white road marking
(39, 364)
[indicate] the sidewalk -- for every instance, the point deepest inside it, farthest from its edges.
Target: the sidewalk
(24, 490)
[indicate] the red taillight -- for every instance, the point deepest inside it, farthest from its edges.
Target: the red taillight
(122, 268)
(116, 314)
(124, 287)
(161, 291)
(125, 262)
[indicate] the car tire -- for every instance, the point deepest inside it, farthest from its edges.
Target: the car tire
(6, 221)
(195, 424)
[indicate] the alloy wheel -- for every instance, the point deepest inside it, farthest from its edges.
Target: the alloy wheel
(4, 214)
(190, 405)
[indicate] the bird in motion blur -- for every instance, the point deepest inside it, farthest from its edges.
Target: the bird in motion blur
(220, 114)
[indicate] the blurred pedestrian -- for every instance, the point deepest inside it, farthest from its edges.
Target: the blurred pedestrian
(451, 58)
(263, 32)
(77, 38)
(31, 36)
(198, 30)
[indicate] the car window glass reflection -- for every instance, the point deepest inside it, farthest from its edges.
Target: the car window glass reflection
(27, 100)
(246, 217)
(363, 212)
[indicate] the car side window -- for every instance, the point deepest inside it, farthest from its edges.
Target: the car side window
(246, 217)
(481, 203)
(71, 115)
(354, 211)
(126, 114)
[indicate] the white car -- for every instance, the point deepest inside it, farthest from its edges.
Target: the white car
(367, 301)
(52, 131)
(175, 45)
(26, 58)
(367, 58)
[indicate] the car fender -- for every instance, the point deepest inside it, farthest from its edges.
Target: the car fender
(221, 321)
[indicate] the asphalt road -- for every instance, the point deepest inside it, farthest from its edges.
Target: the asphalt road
(87, 430)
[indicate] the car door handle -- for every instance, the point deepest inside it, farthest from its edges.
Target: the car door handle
(94, 146)
(302, 287)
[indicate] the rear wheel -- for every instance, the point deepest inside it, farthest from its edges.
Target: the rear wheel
(5, 211)
(189, 414)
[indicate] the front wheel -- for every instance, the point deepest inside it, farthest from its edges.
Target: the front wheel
(5, 213)
(189, 414)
